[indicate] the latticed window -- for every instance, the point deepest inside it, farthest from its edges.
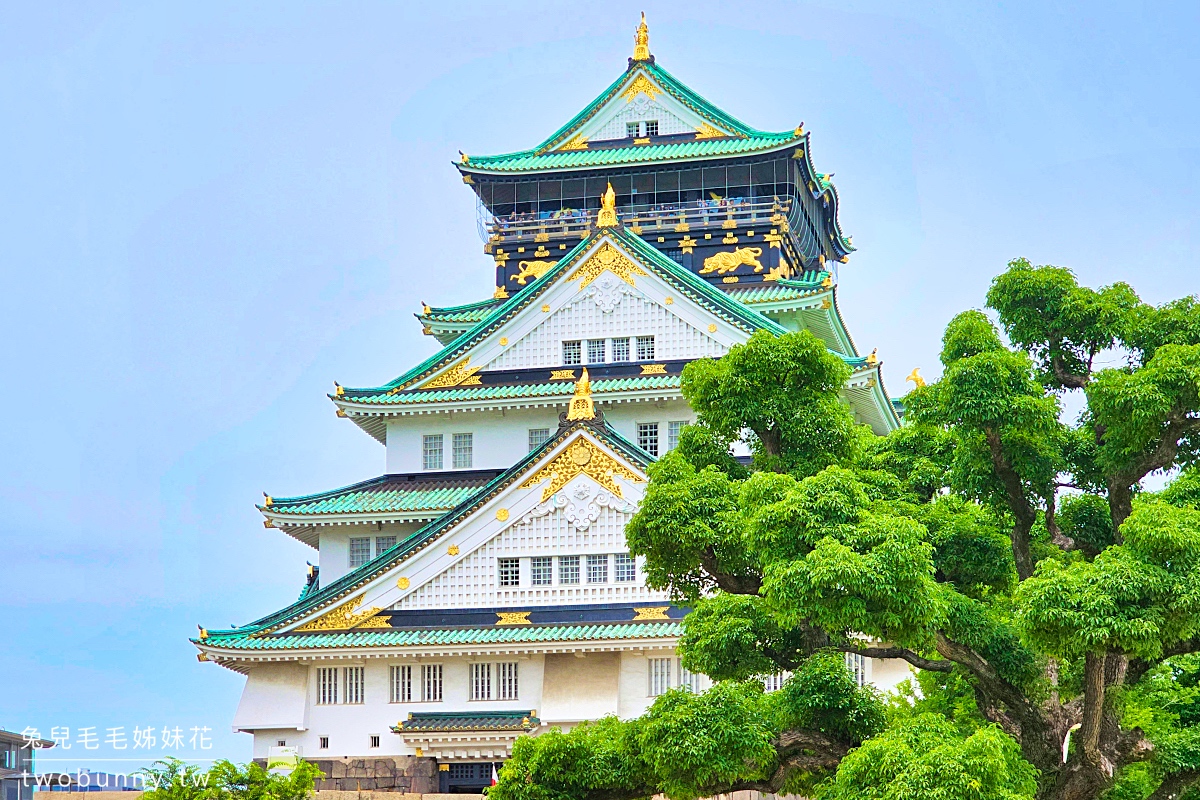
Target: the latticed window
(352, 685)
(857, 664)
(541, 570)
(595, 351)
(597, 569)
(568, 569)
(624, 568)
(652, 127)
(481, 681)
(538, 437)
(631, 129)
(660, 670)
(572, 352)
(402, 684)
(645, 348)
(509, 571)
(360, 552)
(431, 451)
(327, 686)
(506, 681)
(383, 543)
(464, 450)
(674, 428)
(431, 683)
(647, 437)
(620, 349)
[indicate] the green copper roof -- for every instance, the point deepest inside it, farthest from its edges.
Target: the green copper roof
(776, 291)
(437, 722)
(469, 312)
(744, 139)
(388, 493)
(514, 634)
(557, 388)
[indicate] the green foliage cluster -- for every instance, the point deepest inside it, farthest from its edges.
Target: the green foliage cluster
(173, 779)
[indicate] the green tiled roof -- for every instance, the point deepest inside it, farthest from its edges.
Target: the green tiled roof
(388, 493)
(436, 722)
(508, 634)
(775, 291)
(563, 388)
(469, 312)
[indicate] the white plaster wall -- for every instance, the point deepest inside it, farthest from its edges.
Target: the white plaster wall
(334, 544)
(273, 698)
(634, 682)
(886, 674)
(580, 686)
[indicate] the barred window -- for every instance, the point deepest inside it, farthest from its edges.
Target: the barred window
(431, 683)
(509, 571)
(568, 570)
(353, 685)
(538, 437)
(624, 568)
(572, 352)
(506, 681)
(659, 675)
(595, 351)
(373, 740)
(631, 129)
(652, 127)
(481, 681)
(857, 664)
(647, 437)
(323, 742)
(384, 543)
(431, 451)
(597, 569)
(327, 686)
(773, 683)
(645, 348)
(360, 552)
(674, 428)
(402, 684)
(464, 446)
(541, 570)
(621, 349)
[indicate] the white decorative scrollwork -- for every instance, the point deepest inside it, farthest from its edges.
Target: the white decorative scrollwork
(582, 505)
(607, 291)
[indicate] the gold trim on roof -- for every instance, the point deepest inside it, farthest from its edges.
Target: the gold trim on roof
(645, 614)
(641, 41)
(582, 406)
(513, 617)
(706, 131)
(579, 142)
(581, 458)
(641, 85)
(606, 257)
(607, 218)
(342, 618)
(458, 375)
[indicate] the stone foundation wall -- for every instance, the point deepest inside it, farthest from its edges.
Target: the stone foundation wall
(407, 774)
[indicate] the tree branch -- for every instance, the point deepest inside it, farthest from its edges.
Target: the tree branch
(1173, 786)
(1066, 378)
(1179, 423)
(733, 584)
(918, 661)
(1023, 511)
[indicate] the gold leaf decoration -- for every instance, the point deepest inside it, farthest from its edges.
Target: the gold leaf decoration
(342, 618)
(654, 369)
(452, 550)
(581, 458)
(606, 257)
(502, 514)
(578, 142)
(706, 131)
(728, 262)
(641, 85)
(513, 617)
(655, 612)
(458, 375)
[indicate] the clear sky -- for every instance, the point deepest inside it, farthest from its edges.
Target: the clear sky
(211, 211)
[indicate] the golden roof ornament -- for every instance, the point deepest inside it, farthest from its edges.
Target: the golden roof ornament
(581, 404)
(873, 358)
(608, 209)
(641, 41)
(915, 377)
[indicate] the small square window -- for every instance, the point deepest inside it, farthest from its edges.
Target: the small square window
(572, 352)
(624, 568)
(595, 351)
(538, 437)
(541, 570)
(374, 740)
(647, 437)
(645, 348)
(431, 451)
(674, 428)
(464, 446)
(675, 254)
(568, 570)
(652, 127)
(620, 349)
(384, 543)
(360, 552)
(597, 569)
(281, 742)
(632, 128)
(323, 743)
(509, 571)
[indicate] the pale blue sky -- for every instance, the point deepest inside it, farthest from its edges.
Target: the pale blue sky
(208, 213)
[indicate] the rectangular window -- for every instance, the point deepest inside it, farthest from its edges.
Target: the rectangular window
(773, 683)
(645, 348)
(327, 686)
(572, 353)
(674, 428)
(360, 552)
(481, 681)
(431, 683)
(352, 685)
(538, 437)
(568, 569)
(431, 451)
(621, 349)
(631, 129)
(506, 681)
(323, 742)
(384, 543)
(597, 569)
(373, 740)
(402, 684)
(541, 570)
(857, 664)
(647, 437)
(652, 127)
(624, 568)
(509, 571)
(464, 447)
(595, 351)
(659, 675)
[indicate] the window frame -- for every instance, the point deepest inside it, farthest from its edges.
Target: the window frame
(575, 347)
(620, 343)
(575, 568)
(602, 344)
(544, 565)
(537, 434)
(624, 563)
(674, 431)
(355, 548)
(431, 458)
(505, 575)
(354, 683)
(432, 676)
(480, 687)
(401, 683)
(595, 562)
(327, 686)
(650, 441)
(645, 348)
(462, 443)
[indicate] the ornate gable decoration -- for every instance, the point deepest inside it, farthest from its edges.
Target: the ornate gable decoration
(581, 458)
(345, 617)
(458, 375)
(641, 85)
(606, 257)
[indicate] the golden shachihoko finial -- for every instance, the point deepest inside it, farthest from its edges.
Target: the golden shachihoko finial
(608, 209)
(915, 377)
(641, 41)
(581, 404)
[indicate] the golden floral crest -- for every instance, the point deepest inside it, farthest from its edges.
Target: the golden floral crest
(641, 85)
(581, 458)
(577, 142)
(608, 258)
(458, 375)
(345, 617)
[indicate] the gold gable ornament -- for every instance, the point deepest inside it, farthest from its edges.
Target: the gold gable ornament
(581, 458)
(606, 257)
(345, 617)
(608, 209)
(582, 406)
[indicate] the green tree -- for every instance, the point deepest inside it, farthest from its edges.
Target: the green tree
(172, 779)
(1010, 556)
